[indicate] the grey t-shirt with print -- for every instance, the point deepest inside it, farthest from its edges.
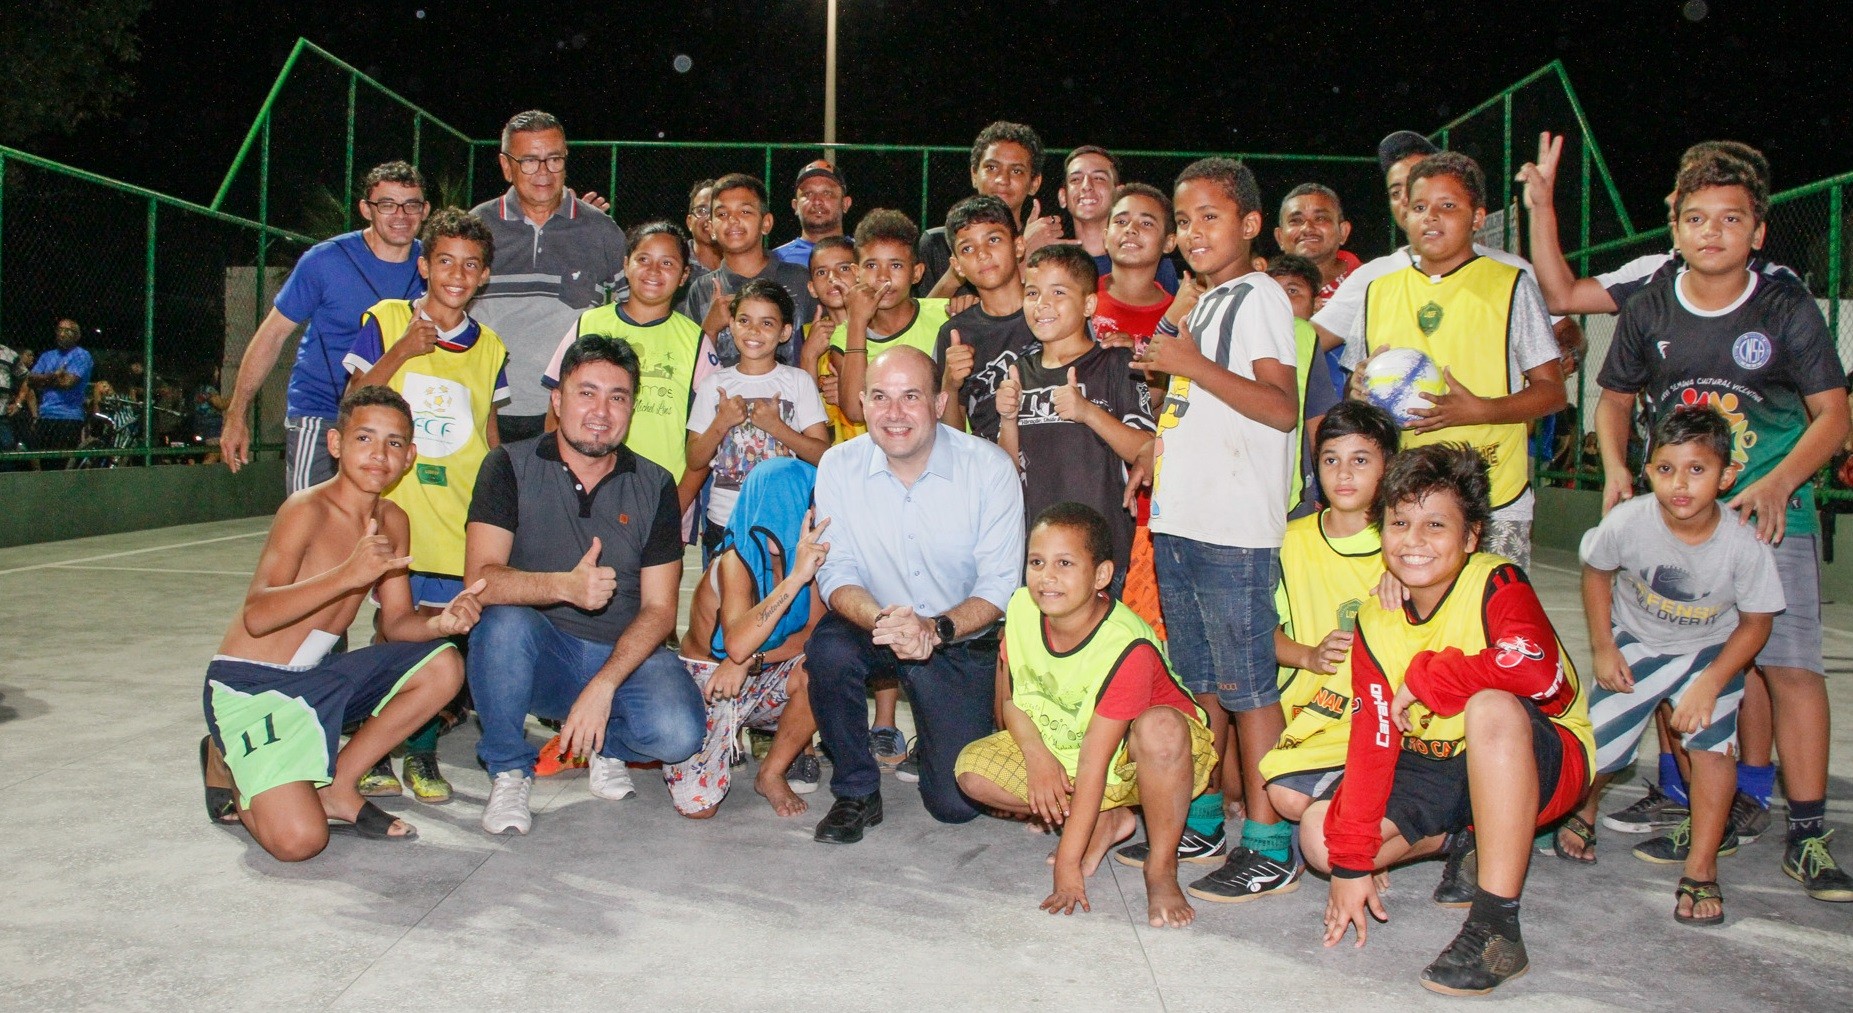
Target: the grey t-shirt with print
(1674, 597)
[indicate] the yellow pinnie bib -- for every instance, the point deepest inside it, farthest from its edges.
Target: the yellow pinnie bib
(1461, 320)
(452, 395)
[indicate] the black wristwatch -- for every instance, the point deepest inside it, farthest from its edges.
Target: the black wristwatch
(942, 625)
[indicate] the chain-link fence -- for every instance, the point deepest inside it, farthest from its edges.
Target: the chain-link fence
(323, 125)
(164, 293)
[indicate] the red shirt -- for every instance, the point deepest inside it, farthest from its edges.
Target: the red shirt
(1111, 315)
(1140, 683)
(1347, 263)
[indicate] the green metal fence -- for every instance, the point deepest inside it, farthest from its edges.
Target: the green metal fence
(177, 287)
(164, 290)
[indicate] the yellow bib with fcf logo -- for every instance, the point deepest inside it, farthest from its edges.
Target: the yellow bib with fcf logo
(452, 395)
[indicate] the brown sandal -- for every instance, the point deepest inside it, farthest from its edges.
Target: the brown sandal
(1579, 828)
(1698, 890)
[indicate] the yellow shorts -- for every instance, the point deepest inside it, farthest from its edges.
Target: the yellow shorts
(999, 760)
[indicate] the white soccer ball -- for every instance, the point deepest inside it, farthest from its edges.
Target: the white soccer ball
(1402, 380)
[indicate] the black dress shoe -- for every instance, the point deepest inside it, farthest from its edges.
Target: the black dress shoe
(848, 818)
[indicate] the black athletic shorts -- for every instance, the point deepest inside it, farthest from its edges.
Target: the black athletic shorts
(1431, 798)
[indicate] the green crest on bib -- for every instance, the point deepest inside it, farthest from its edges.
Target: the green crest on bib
(431, 474)
(1429, 318)
(1348, 615)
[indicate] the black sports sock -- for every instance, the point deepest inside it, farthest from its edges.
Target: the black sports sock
(1499, 912)
(1807, 819)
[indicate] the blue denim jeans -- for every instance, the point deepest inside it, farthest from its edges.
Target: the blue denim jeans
(1220, 618)
(951, 694)
(519, 664)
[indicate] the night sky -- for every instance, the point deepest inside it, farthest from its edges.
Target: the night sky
(1257, 76)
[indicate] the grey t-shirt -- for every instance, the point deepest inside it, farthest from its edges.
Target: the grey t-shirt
(723, 281)
(1677, 598)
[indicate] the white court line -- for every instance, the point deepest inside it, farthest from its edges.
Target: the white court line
(150, 569)
(134, 552)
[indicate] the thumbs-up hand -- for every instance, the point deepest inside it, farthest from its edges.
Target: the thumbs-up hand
(958, 363)
(421, 337)
(1010, 397)
(1070, 403)
(589, 585)
(372, 558)
(1039, 231)
(730, 412)
(460, 616)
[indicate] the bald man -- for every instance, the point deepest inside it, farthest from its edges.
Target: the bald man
(926, 547)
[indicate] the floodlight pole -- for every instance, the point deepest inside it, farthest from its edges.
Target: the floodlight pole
(830, 81)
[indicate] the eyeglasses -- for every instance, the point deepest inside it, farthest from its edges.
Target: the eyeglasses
(532, 163)
(700, 210)
(393, 207)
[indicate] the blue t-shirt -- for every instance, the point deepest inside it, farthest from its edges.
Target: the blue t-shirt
(333, 284)
(1167, 271)
(64, 403)
(798, 252)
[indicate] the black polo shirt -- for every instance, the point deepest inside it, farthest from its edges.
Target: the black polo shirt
(525, 488)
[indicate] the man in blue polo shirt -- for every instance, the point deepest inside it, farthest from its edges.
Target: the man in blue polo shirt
(556, 255)
(332, 285)
(62, 376)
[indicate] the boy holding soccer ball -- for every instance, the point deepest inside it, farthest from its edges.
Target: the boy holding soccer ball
(1483, 324)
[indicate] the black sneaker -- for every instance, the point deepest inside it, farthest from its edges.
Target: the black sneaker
(1246, 876)
(1807, 862)
(1476, 962)
(1672, 849)
(1192, 847)
(1460, 874)
(1749, 818)
(908, 769)
(1652, 814)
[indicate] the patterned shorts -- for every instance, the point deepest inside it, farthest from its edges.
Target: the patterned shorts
(999, 760)
(701, 781)
(1511, 539)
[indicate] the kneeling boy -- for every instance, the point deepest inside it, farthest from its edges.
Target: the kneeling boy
(276, 701)
(1488, 724)
(1096, 722)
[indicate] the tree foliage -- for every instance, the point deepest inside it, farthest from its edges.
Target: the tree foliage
(66, 62)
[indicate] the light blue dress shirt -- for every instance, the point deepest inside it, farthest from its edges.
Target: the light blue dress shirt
(956, 534)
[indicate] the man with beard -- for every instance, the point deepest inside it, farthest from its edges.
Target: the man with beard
(578, 542)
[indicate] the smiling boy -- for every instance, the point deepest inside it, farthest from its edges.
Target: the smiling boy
(882, 312)
(738, 220)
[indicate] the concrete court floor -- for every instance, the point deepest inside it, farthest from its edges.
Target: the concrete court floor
(118, 893)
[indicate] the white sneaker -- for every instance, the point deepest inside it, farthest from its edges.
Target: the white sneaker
(611, 779)
(507, 808)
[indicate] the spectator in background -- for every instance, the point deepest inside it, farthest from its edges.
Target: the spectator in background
(707, 252)
(208, 418)
(822, 200)
(62, 378)
(557, 254)
(332, 284)
(13, 387)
